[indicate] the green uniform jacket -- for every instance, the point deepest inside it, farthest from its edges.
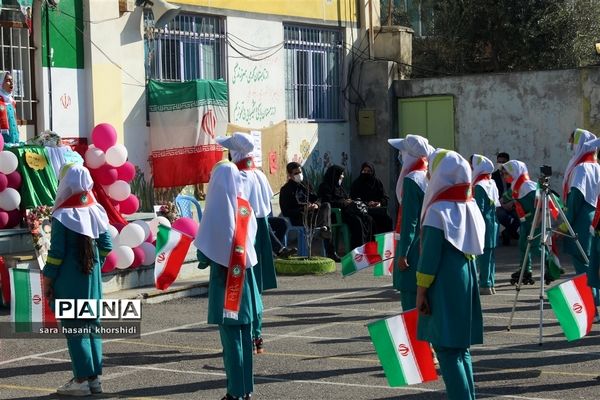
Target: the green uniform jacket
(408, 245)
(251, 304)
(453, 294)
(64, 267)
(528, 204)
(488, 210)
(264, 270)
(580, 215)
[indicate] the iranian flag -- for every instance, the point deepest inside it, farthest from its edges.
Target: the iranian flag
(185, 119)
(360, 258)
(386, 246)
(171, 249)
(405, 360)
(29, 308)
(573, 304)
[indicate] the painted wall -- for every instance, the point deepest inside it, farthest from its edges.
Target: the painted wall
(256, 88)
(326, 10)
(529, 115)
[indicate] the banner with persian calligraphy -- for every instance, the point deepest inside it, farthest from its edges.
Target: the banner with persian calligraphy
(185, 119)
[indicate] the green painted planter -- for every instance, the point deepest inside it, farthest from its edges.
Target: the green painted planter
(304, 266)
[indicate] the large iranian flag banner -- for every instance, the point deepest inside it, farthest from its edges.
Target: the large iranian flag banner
(185, 119)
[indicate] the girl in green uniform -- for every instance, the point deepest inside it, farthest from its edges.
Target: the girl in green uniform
(453, 233)
(485, 193)
(79, 241)
(410, 189)
(225, 242)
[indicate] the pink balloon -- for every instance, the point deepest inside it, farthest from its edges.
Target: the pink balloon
(3, 181)
(126, 172)
(186, 225)
(104, 136)
(151, 238)
(130, 205)
(105, 175)
(138, 257)
(14, 219)
(1, 142)
(14, 180)
(110, 262)
(3, 219)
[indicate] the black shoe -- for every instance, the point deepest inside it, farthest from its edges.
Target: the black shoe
(286, 252)
(334, 256)
(248, 396)
(230, 397)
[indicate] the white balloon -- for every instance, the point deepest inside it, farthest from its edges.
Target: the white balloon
(9, 199)
(94, 157)
(125, 256)
(120, 190)
(155, 222)
(8, 162)
(116, 155)
(114, 232)
(149, 253)
(131, 235)
(144, 226)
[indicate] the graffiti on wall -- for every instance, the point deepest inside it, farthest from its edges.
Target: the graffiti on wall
(315, 165)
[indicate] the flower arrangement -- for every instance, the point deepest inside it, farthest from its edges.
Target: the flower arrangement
(38, 221)
(169, 211)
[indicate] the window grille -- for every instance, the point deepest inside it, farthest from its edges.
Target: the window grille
(313, 59)
(191, 46)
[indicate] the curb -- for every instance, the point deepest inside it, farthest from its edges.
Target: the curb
(156, 296)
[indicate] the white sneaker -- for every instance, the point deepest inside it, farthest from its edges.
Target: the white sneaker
(74, 388)
(95, 385)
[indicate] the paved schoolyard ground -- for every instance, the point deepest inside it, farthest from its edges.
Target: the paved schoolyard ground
(317, 347)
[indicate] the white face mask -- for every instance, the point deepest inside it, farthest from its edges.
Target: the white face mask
(499, 166)
(298, 178)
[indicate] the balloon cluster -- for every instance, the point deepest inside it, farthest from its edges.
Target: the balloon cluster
(107, 161)
(133, 244)
(10, 182)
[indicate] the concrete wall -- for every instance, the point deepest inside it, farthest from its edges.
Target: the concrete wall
(529, 114)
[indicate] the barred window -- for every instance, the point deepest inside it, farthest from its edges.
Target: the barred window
(313, 59)
(191, 46)
(16, 57)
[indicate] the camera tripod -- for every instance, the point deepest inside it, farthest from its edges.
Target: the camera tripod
(542, 217)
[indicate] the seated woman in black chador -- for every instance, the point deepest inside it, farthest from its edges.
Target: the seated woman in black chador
(369, 189)
(330, 190)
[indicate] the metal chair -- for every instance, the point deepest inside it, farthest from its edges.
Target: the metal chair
(184, 206)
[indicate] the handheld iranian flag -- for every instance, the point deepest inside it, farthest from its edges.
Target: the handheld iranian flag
(360, 258)
(29, 308)
(386, 245)
(171, 249)
(573, 304)
(405, 360)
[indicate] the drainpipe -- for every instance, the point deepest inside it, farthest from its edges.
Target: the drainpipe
(49, 62)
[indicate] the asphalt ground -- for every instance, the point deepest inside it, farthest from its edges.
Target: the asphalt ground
(317, 347)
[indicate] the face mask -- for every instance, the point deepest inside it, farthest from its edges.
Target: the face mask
(298, 178)
(340, 181)
(498, 166)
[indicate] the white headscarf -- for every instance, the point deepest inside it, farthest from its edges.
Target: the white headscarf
(412, 148)
(217, 226)
(462, 222)
(7, 97)
(517, 168)
(583, 176)
(484, 166)
(89, 220)
(255, 185)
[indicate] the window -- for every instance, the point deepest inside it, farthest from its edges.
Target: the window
(190, 47)
(313, 59)
(420, 14)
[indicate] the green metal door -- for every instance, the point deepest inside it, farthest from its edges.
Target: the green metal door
(431, 117)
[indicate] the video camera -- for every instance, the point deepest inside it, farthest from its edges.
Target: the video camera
(545, 174)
